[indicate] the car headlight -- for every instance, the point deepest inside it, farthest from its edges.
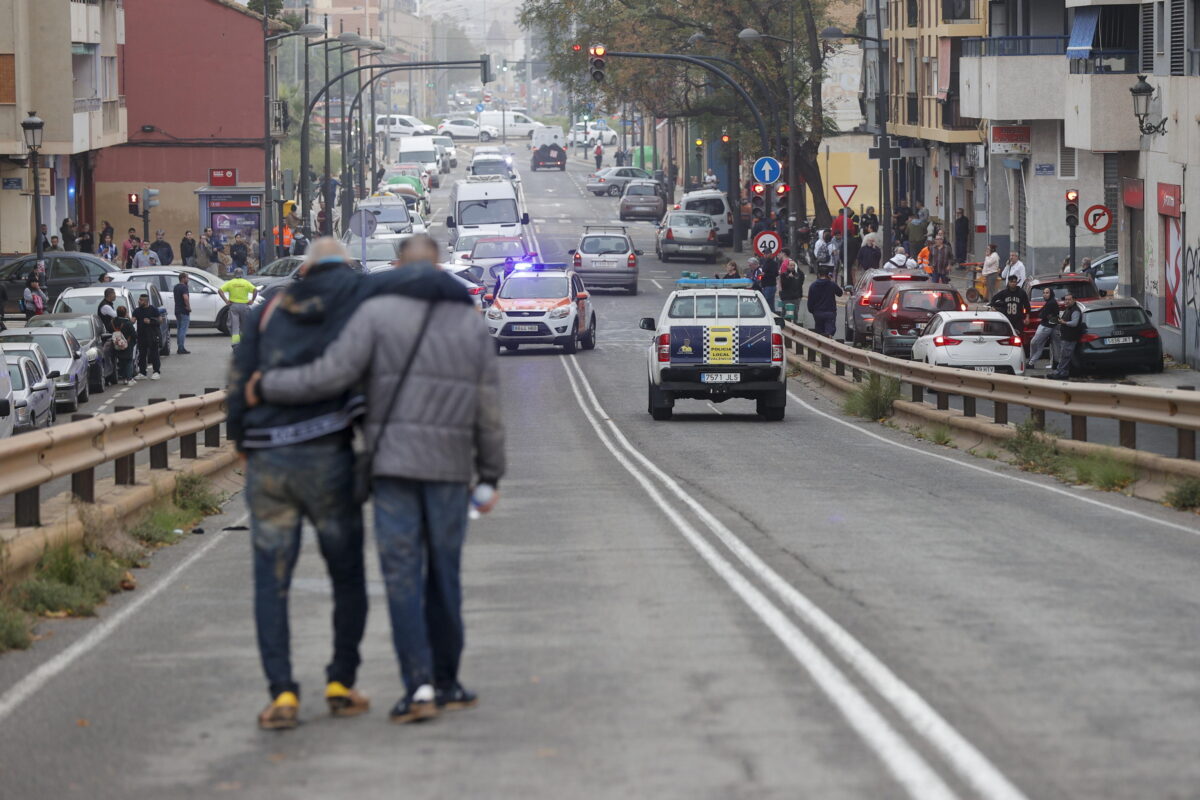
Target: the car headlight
(23, 413)
(560, 313)
(495, 314)
(93, 354)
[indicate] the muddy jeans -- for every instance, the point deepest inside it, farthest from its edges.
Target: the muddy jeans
(420, 527)
(285, 485)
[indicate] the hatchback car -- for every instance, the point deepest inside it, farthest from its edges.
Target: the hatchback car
(1077, 284)
(982, 341)
(1118, 335)
(606, 257)
(715, 204)
(611, 180)
(904, 312)
(867, 296)
(642, 199)
(208, 310)
(447, 144)
(391, 216)
(63, 271)
(491, 165)
(464, 128)
(65, 356)
(688, 235)
(33, 394)
(136, 285)
(97, 345)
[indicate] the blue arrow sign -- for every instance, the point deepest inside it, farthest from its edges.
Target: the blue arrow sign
(767, 170)
(479, 106)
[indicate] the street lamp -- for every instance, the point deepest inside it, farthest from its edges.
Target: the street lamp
(32, 127)
(1143, 94)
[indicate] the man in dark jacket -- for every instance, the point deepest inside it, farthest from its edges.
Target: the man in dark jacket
(162, 248)
(300, 464)
(822, 303)
(1012, 302)
(1070, 329)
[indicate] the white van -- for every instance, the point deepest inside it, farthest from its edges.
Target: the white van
(510, 123)
(485, 204)
(421, 150)
(712, 203)
(8, 414)
(402, 125)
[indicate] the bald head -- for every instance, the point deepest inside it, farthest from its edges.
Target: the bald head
(322, 250)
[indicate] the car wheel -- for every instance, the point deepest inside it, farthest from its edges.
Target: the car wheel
(222, 321)
(562, 167)
(572, 344)
(484, 136)
(614, 191)
(633, 288)
(659, 403)
(512, 348)
(589, 338)
(84, 393)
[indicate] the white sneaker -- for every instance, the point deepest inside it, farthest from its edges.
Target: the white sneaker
(155, 376)
(424, 694)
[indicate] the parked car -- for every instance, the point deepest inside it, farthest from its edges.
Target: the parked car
(866, 297)
(686, 235)
(8, 413)
(30, 350)
(65, 356)
(447, 143)
(1079, 285)
(467, 128)
(96, 343)
(32, 393)
(612, 180)
(983, 341)
(904, 312)
(1104, 273)
(136, 285)
(64, 270)
(208, 310)
(641, 199)
(606, 257)
(1118, 334)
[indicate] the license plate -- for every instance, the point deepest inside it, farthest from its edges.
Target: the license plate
(988, 370)
(691, 247)
(603, 264)
(524, 327)
(720, 377)
(1119, 340)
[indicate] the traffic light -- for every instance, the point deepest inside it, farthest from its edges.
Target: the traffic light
(724, 138)
(1072, 208)
(758, 200)
(504, 65)
(151, 198)
(289, 207)
(699, 148)
(576, 48)
(782, 189)
(598, 61)
(485, 69)
(134, 204)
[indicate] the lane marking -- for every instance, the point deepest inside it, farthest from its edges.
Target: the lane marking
(1074, 495)
(966, 760)
(714, 408)
(905, 764)
(28, 686)
(656, 283)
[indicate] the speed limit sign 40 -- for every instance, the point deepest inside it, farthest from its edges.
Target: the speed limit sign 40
(767, 244)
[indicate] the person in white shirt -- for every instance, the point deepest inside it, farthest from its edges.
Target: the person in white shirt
(900, 260)
(710, 180)
(1015, 267)
(991, 270)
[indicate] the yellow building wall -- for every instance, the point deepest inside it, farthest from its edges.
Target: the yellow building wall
(843, 160)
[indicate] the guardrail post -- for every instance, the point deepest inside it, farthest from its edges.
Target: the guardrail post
(1001, 413)
(1038, 416)
(856, 374)
(943, 401)
(918, 393)
(1079, 427)
(187, 442)
(212, 434)
(1185, 439)
(83, 483)
(812, 355)
(158, 452)
(27, 511)
(124, 468)
(839, 369)
(1128, 434)
(968, 406)
(824, 361)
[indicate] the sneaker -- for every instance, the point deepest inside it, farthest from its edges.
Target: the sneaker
(344, 701)
(283, 713)
(183, 352)
(455, 698)
(155, 376)
(417, 707)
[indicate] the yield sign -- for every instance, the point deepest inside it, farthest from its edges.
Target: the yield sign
(845, 192)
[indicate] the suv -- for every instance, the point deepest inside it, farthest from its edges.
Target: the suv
(904, 311)
(1078, 284)
(642, 198)
(715, 204)
(1118, 334)
(715, 340)
(64, 270)
(542, 305)
(866, 298)
(605, 256)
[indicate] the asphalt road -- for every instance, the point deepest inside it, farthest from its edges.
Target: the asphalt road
(710, 607)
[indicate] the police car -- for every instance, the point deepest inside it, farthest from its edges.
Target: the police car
(715, 340)
(541, 304)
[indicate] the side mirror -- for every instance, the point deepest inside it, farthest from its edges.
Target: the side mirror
(54, 374)
(581, 296)
(489, 297)
(1149, 313)
(648, 324)
(849, 289)
(450, 222)
(525, 218)
(78, 353)
(638, 253)
(42, 386)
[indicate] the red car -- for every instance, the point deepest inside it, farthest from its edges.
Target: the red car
(1081, 286)
(904, 311)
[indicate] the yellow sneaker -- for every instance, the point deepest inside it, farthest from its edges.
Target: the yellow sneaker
(345, 702)
(283, 713)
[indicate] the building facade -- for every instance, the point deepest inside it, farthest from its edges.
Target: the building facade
(64, 61)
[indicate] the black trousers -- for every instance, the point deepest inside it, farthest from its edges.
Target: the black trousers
(148, 347)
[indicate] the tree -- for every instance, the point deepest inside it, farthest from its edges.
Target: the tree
(274, 7)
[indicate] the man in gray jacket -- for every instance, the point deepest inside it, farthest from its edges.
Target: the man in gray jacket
(443, 432)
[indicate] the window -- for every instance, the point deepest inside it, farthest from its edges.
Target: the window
(604, 245)
(1116, 318)
(503, 249)
(14, 375)
(928, 301)
(95, 269)
(708, 205)
(978, 327)
(68, 268)
(683, 308)
(33, 375)
(108, 75)
(1147, 38)
(1067, 167)
(534, 287)
(1179, 37)
(8, 78)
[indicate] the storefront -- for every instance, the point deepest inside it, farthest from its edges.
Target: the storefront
(231, 210)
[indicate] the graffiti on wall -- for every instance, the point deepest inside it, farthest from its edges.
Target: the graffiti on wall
(1173, 271)
(1183, 299)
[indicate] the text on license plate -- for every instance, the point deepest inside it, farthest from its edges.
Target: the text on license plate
(691, 247)
(1119, 340)
(720, 377)
(605, 264)
(525, 328)
(985, 369)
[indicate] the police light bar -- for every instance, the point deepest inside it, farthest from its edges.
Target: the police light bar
(536, 266)
(714, 283)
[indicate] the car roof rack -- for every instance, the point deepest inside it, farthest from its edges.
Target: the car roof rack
(486, 178)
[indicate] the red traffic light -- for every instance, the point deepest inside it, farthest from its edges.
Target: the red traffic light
(724, 138)
(758, 188)
(577, 47)
(1072, 196)
(782, 189)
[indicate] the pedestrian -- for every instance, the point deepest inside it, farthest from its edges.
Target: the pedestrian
(791, 284)
(183, 313)
(281, 241)
(916, 234)
(107, 250)
(921, 212)
(991, 269)
(869, 256)
(1085, 266)
(239, 252)
(870, 220)
(145, 257)
(206, 255)
(187, 249)
(106, 229)
(67, 229)
(237, 293)
(1047, 325)
(1013, 303)
(1070, 330)
(85, 242)
(940, 259)
(842, 222)
(731, 271)
(1015, 267)
(825, 252)
(162, 248)
(822, 302)
(33, 299)
(129, 247)
(55, 244)
(106, 310)
(44, 233)
(753, 273)
(149, 337)
(599, 154)
(265, 250)
(769, 280)
(299, 243)
(124, 337)
(900, 260)
(710, 179)
(962, 232)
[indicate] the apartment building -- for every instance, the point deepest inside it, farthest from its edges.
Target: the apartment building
(62, 60)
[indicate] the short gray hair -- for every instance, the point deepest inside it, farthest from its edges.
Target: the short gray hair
(325, 248)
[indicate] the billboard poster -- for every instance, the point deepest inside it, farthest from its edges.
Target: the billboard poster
(226, 224)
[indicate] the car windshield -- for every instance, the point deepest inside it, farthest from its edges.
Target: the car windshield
(929, 300)
(444, 141)
(1080, 290)
(54, 345)
(689, 221)
(404, 172)
(466, 243)
(641, 189)
(486, 249)
(727, 306)
(377, 249)
(1129, 317)
(279, 269)
(534, 287)
(78, 302)
(80, 327)
(14, 375)
(603, 245)
(420, 156)
(706, 205)
(473, 273)
(978, 327)
(489, 166)
(488, 212)
(391, 214)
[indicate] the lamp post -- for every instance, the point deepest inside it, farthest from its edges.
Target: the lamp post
(1143, 95)
(343, 40)
(32, 127)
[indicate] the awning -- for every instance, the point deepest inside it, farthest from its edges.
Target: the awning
(1083, 32)
(943, 76)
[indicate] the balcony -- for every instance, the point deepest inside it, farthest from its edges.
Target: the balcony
(953, 118)
(1098, 114)
(1106, 62)
(994, 75)
(957, 12)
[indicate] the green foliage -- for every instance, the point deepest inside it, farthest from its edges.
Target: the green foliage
(1034, 451)
(1185, 494)
(14, 628)
(274, 7)
(941, 435)
(194, 494)
(69, 582)
(1103, 472)
(873, 399)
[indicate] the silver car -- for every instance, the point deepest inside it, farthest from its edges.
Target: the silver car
(33, 394)
(686, 234)
(605, 257)
(65, 356)
(612, 180)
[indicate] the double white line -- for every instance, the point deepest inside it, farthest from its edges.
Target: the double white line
(909, 767)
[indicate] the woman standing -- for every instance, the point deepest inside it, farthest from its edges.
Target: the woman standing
(187, 249)
(991, 270)
(108, 250)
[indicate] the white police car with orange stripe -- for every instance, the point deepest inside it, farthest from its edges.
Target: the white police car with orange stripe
(541, 304)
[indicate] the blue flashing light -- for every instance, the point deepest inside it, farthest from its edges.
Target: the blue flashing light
(522, 266)
(714, 283)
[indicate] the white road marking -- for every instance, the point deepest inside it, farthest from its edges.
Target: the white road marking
(28, 686)
(656, 283)
(714, 408)
(905, 763)
(1074, 495)
(966, 760)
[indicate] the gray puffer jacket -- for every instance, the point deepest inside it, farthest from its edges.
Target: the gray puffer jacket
(446, 424)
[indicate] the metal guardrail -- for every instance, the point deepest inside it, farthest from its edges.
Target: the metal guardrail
(1129, 405)
(33, 459)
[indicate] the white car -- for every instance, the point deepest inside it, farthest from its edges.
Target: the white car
(467, 128)
(590, 132)
(983, 341)
(447, 143)
(542, 306)
(202, 291)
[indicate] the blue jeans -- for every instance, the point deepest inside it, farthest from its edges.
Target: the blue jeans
(284, 485)
(420, 527)
(769, 293)
(182, 322)
(825, 322)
